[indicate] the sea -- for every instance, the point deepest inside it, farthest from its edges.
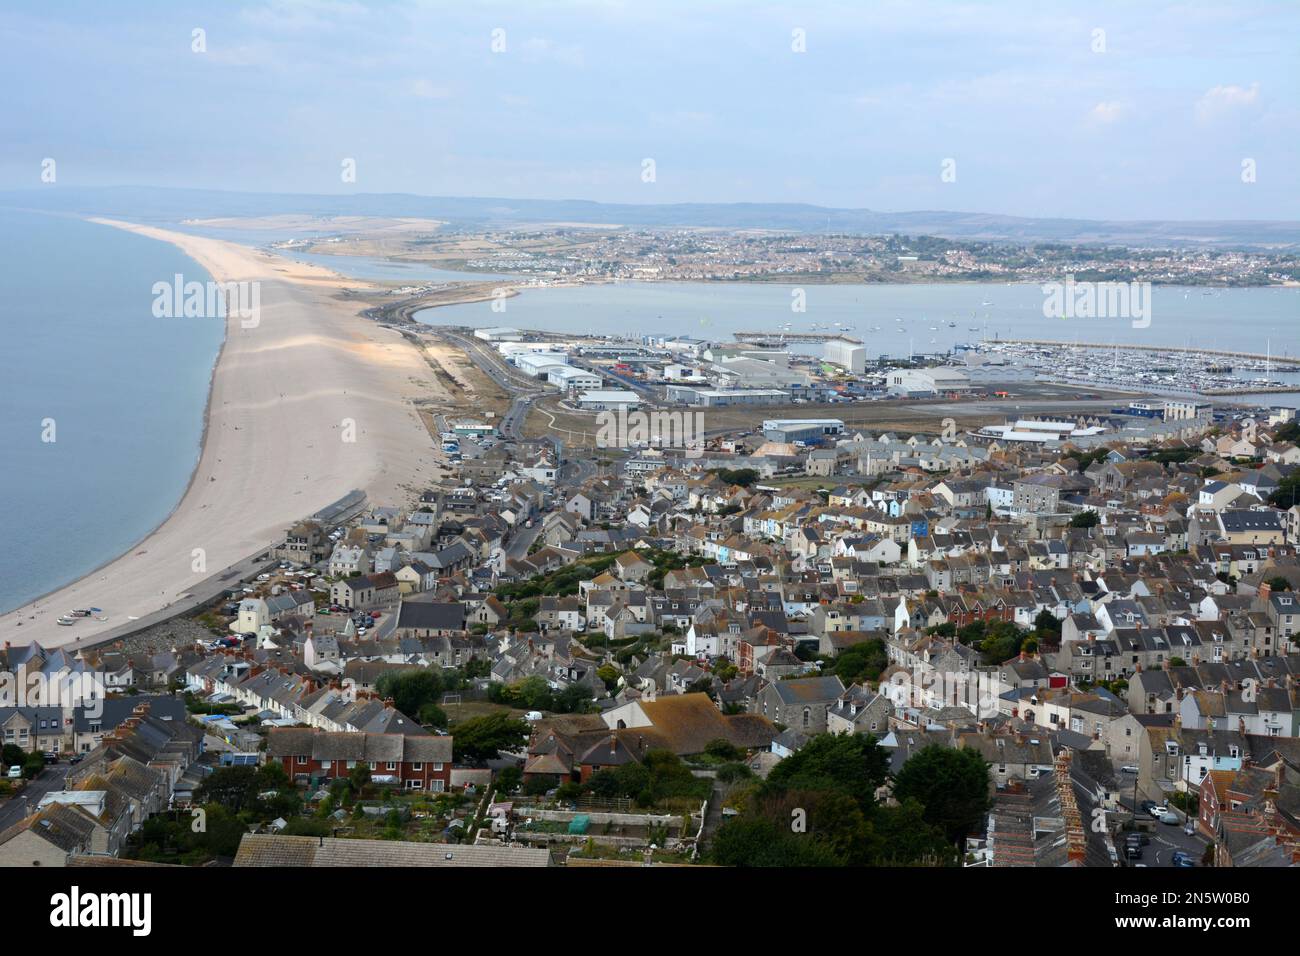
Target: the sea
(126, 391)
(101, 404)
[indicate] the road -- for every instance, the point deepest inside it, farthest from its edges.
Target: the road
(23, 803)
(523, 540)
(524, 391)
(1165, 839)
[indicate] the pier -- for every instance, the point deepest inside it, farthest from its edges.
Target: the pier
(756, 338)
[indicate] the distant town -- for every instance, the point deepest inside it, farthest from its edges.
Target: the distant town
(595, 253)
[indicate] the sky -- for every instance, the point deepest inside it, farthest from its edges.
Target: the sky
(1096, 110)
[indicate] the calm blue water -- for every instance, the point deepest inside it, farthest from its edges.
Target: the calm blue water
(126, 391)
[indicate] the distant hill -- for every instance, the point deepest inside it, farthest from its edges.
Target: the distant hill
(171, 205)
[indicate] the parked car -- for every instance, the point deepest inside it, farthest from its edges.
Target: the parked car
(15, 772)
(1183, 859)
(1170, 818)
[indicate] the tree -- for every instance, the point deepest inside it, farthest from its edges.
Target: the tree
(1047, 622)
(854, 764)
(412, 689)
(481, 738)
(861, 662)
(609, 674)
(757, 841)
(737, 476)
(900, 836)
(723, 750)
(233, 787)
(1278, 583)
(951, 783)
(431, 715)
(1085, 519)
(13, 755)
(509, 779)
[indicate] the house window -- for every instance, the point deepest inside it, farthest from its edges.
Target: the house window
(392, 765)
(417, 766)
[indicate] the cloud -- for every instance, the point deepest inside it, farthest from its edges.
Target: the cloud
(1107, 112)
(1221, 100)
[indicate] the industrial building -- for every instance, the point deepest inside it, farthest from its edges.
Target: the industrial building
(499, 334)
(923, 382)
(539, 363)
(567, 376)
(849, 356)
(717, 397)
(1039, 432)
(801, 429)
(609, 400)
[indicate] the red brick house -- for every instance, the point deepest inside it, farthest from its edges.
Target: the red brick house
(420, 762)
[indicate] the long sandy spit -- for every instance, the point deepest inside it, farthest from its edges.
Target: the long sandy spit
(285, 395)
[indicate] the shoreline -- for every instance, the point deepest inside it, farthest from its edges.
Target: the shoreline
(304, 326)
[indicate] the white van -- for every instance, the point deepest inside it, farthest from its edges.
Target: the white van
(15, 772)
(533, 716)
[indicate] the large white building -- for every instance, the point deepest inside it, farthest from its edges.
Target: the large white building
(801, 429)
(848, 355)
(928, 381)
(498, 334)
(609, 399)
(539, 363)
(714, 397)
(567, 376)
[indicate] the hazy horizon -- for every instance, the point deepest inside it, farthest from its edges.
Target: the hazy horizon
(1032, 110)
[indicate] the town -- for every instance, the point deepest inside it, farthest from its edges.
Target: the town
(1067, 639)
(592, 253)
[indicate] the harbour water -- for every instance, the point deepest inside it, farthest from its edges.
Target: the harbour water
(1238, 319)
(121, 393)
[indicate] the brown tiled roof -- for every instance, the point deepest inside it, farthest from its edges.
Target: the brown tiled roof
(687, 722)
